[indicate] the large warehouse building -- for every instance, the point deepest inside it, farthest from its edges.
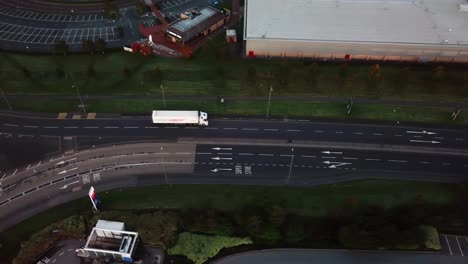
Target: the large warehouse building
(397, 30)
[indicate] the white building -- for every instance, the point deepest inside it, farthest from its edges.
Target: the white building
(401, 30)
(109, 240)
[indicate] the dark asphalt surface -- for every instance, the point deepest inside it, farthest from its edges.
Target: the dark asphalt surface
(143, 128)
(307, 256)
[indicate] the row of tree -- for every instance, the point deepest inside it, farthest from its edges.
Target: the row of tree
(87, 46)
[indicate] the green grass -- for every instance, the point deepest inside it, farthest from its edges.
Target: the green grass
(254, 108)
(311, 201)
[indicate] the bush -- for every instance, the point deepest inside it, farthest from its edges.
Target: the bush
(158, 228)
(212, 223)
(199, 248)
(429, 237)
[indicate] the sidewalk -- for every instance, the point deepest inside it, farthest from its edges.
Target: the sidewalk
(292, 98)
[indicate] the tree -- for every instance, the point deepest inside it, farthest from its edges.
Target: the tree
(439, 73)
(276, 215)
(138, 7)
(294, 231)
(100, 45)
(87, 46)
(429, 237)
(374, 73)
(61, 47)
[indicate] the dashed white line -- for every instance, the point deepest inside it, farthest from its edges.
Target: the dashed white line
(70, 127)
(459, 139)
(151, 127)
(293, 130)
(270, 129)
(245, 154)
(211, 128)
(439, 137)
(318, 131)
(372, 159)
(377, 134)
(305, 156)
(50, 127)
(31, 126)
(111, 127)
(230, 128)
(400, 161)
(91, 127)
(446, 164)
(265, 154)
(182, 153)
(339, 132)
(12, 125)
(349, 158)
(203, 153)
(250, 129)
(190, 127)
(424, 162)
(286, 155)
(359, 133)
(327, 157)
(397, 135)
(133, 127)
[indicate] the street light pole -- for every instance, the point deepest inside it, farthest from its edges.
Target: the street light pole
(269, 100)
(79, 94)
(164, 97)
(290, 166)
(164, 167)
(6, 100)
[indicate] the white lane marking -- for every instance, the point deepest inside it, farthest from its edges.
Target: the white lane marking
(397, 135)
(190, 127)
(182, 153)
(293, 130)
(31, 126)
(138, 127)
(448, 244)
(61, 253)
(327, 157)
(28, 166)
(424, 141)
(70, 127)
(111, 127)
(230, 128)
(372, 159)
(250, 129)
(459, 139)
(245, 154)
(305, 156)
(151, 127)
(439, 137)
(459, 247)
(270, 129)
(339, 132)
(50, 127)
(446, 164)
(359, 133)
(318, 131)
(417, 136)
(349, 158)
(424, 162)
(377, 134)
(91, 127)
(286, 155)
(12, 125)
(261, 154)
(211, 128)
(14, 172)
(203, 153)
(400, 161)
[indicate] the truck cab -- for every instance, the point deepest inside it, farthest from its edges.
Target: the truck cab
(203, 119)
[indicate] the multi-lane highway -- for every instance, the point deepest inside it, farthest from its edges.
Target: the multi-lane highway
(11, 124)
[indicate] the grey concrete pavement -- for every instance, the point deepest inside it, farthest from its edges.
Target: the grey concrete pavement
(307, 256)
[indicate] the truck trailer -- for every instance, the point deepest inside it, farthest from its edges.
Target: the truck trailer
(163, 117)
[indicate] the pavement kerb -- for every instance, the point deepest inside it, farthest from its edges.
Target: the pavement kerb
(327, 145)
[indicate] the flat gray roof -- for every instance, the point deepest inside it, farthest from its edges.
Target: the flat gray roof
(187, 24)
(386, 21)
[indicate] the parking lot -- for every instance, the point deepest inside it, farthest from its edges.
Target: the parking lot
(172, 8)
(38, 35)
(23, 14)
(454, 245)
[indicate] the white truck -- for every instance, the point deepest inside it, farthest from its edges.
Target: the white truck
(162, 117)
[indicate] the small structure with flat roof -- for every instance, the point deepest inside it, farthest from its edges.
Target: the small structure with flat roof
(109, 240)
(194, 23)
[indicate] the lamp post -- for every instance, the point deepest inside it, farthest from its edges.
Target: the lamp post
(269, 100)
(290, 166)
(79, 94)
(164, 167)
(6, 99)
(164, 97)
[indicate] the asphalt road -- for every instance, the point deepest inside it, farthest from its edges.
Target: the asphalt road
(294, 130)
(306, 256)
(38, 186)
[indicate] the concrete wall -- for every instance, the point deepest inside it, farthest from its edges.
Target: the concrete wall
(356, 50)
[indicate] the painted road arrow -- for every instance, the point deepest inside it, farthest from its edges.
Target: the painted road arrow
(421, 132)
(333, 165)
(216, 170)
(218, 158)
(331, 152)
(65, 171)
(66, 185)
(63, 161)
(218, 148)
(425, 141)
